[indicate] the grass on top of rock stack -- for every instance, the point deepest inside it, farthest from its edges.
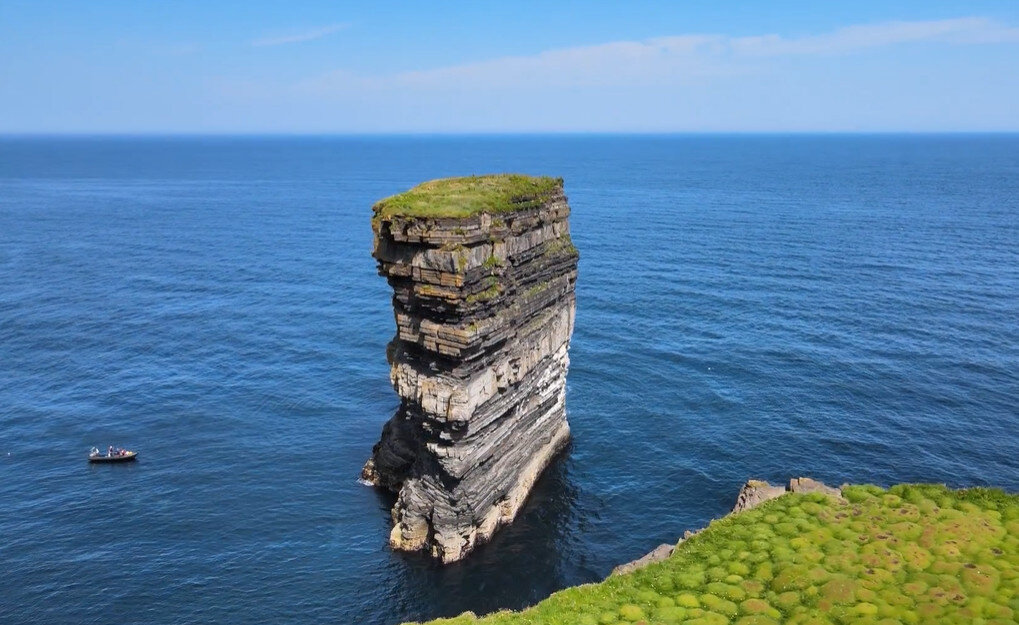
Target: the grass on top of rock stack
(910, 554)
(471, 195)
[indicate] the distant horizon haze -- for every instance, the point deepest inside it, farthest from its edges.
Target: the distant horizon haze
(523, 134)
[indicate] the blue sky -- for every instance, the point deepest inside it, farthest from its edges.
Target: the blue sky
(434, 67)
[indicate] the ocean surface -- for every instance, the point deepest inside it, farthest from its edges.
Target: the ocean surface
(845, 307)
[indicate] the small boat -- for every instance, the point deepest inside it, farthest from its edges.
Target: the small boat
(119, 455)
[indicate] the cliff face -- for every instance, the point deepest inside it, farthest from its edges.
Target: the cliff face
(483, 274)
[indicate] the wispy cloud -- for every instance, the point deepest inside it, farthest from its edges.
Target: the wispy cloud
(965, 30)
(299, 37)
(671, 60)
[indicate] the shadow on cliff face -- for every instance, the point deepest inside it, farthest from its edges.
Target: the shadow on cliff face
(525, 561)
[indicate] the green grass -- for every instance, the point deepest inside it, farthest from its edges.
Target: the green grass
(563, 243)
(493, 290)
(536, 288)
(471, 195)
(907, 555)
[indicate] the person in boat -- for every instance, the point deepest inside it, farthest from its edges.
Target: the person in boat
(109, 451)
(94, 451)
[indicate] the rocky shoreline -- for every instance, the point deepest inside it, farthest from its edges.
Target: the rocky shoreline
(752, 494)
(484, 307)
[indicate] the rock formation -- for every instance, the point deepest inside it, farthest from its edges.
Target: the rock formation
(483, 273)
(659, 553)
(751, 495)
(756, 492)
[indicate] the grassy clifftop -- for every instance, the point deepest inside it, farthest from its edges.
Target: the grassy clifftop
(471, 195)
(910, 554)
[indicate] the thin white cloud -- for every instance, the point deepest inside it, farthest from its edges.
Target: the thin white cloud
(608, 63)
(308, 35)
(673, 60)
(965, 30)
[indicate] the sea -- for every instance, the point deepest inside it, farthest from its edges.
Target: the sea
(844, 307)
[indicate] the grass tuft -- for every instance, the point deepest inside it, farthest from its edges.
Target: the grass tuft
(471, 195)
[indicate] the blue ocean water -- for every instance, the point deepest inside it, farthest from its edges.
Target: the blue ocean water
(748, 306)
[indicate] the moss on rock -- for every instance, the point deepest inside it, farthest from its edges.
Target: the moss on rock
(470, 195)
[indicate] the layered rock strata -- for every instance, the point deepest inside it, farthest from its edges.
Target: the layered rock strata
(483, 273)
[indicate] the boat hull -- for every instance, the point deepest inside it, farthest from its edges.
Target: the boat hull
(128, 457)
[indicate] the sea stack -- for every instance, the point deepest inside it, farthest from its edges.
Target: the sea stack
(483, 273)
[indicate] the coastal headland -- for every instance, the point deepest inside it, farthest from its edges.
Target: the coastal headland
(810, 554)
(483, 273)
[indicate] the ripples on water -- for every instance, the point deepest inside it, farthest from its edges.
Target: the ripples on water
(843, 307)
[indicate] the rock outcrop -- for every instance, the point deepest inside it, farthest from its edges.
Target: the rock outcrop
(483, 273)
(659, 553)
(751, 495)
(756, 492)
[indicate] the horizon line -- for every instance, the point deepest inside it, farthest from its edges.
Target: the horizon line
(500, 134)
